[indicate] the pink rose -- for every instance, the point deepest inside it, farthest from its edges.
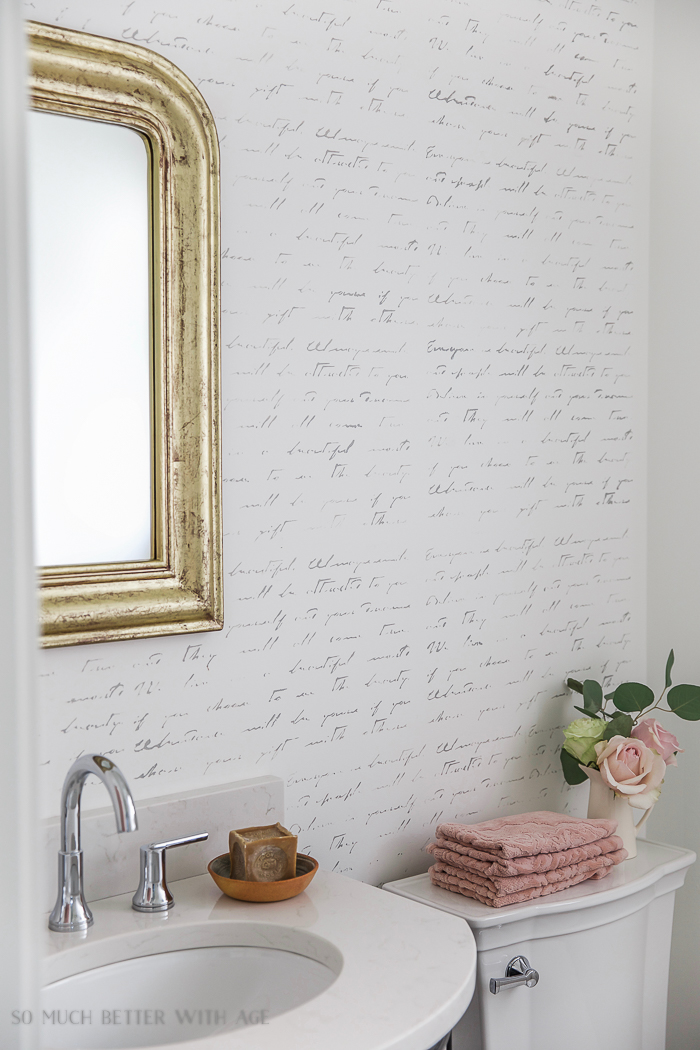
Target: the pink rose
(631, 769)
(659, 739)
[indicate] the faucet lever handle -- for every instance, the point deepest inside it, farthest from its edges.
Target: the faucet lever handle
(153, 894)
(178, 842)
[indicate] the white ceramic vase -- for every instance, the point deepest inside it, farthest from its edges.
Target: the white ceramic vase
(603, 802)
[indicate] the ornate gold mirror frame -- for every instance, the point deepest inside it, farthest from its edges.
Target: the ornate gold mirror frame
(179, 589)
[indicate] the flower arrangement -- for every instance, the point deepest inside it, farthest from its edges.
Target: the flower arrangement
(631, 755)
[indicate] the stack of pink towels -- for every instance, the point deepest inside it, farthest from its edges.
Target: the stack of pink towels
(514, 859)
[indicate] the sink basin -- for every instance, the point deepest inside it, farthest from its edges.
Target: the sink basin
(174, 996)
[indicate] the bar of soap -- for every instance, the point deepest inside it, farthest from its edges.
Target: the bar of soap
(266, 854)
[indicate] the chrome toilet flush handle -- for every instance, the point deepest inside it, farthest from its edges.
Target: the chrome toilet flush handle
(153, 893)
(518, 971)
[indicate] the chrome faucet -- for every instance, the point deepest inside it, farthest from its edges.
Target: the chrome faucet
(70, 910)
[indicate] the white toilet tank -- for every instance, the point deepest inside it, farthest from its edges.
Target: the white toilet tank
(601, 950)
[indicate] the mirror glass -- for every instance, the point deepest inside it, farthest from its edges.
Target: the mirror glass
(90, 262)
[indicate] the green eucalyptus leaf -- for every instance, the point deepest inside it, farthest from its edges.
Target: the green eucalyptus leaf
(573, 773)
(609, 696)
(684, 700)
(589, 715)
(573, 684)
(669, 665)
(632, 696)
(592, 696)
(619, 725)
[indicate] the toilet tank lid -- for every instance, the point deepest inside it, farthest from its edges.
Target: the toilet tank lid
(653, 862)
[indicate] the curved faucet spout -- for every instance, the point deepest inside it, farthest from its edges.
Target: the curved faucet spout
(70, 911)
(113, 779)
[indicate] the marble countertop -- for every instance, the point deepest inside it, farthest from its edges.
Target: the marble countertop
(406, 972)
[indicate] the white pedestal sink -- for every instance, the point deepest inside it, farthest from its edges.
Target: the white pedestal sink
(343, 965)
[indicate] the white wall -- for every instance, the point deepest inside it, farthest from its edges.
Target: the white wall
(19, 917)
(674, 458)
(434, 257)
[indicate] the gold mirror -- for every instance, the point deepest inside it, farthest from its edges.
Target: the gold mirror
(161, 420)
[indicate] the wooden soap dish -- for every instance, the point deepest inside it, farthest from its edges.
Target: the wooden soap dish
(262, 892)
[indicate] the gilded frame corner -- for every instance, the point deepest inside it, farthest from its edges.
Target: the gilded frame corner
(180, 589)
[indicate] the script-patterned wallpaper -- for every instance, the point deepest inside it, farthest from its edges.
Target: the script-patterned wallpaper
(433, 222)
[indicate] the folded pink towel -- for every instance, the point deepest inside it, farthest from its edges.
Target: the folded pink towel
(527, 834)
(483, 863)
(468, 888)
(500, 886)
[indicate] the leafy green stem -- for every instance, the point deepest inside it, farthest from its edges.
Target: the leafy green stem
(655, 707)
